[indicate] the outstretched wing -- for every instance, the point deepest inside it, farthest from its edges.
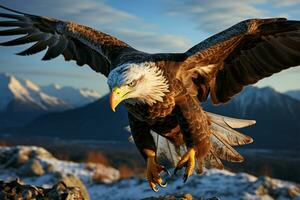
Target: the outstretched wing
(241, 55)
(75, 42)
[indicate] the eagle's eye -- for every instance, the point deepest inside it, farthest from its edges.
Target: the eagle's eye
(132, 83)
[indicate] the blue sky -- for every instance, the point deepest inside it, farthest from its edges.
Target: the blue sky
(153, 26)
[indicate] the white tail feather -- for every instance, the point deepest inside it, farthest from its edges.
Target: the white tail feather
(223, 137)
(223, 150)
(166, 152)
(231, 122)
(230, 135)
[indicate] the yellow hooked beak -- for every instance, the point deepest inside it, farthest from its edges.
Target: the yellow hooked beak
(117, 96)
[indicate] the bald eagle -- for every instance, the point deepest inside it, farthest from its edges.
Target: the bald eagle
(163, 92)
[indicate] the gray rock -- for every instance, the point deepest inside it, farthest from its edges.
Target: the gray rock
(26, 161)
(103, 174)
(270, 187)
(31, 168)
(13, 158)
(49, 168)
(72, 181)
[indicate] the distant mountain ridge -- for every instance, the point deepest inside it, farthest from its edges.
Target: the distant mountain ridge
(22, 100)
(94, 121)
(73, 96)
(277, 117)
(294, 94)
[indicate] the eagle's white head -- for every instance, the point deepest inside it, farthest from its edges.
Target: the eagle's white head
(137, 83)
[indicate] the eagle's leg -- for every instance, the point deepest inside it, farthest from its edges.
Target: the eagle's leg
(187, 160)
(194, 125)
(154, 170)
(146, 145)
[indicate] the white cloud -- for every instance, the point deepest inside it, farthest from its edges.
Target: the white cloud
(88, 11)
(286, 2)
(152, 42)
(216, 15)
(100, 15)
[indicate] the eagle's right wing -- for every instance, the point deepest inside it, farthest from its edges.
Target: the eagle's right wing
(240, 55)
(75, 42)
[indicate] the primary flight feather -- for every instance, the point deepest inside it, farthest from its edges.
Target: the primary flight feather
(162, 92)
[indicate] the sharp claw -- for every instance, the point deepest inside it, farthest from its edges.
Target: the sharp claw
(155, 189)
(185, 177)
(163, 185)
(175, 170)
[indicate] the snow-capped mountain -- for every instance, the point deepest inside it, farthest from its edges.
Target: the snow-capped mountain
(16, 93)
(73, 96)
(52, 97)
(294, 94)
(254, 97)
(22, 100)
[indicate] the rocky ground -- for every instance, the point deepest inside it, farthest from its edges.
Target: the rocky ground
(36, 166)
(18, 190)
(43, 173)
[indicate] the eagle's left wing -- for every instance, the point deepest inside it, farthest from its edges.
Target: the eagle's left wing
(74, 41)
(241, 55)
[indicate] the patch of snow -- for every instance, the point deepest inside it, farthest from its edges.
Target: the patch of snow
(30, 85)
(45, 101)
(73, 96)
(223, 184)
(18, 90)
(90, 93)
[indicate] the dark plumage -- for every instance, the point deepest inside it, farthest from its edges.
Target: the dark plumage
(163, 92)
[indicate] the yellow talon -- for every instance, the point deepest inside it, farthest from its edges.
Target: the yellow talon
(153, 173)
(187, 160)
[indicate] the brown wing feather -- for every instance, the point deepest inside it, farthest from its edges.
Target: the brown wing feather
(242, 55)
(75, 42)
